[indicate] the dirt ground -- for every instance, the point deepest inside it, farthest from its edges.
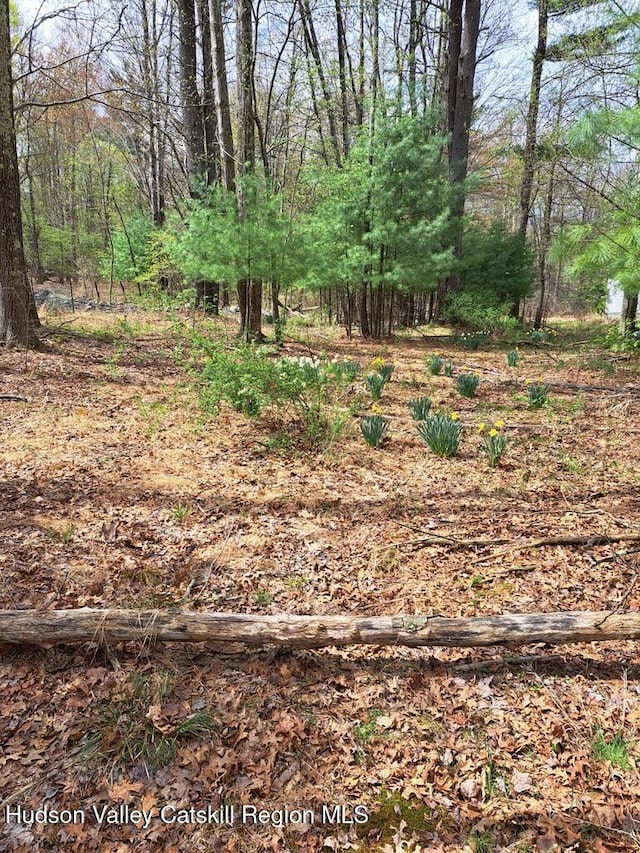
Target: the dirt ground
(116, 491)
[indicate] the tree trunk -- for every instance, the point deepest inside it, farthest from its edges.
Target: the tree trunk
(85, 625)
(209, 113)
(249, 291)
(628, 322)
(227, 163)
(529, 161)
(18, 314)
(543, 251)
(464, 28)
(191, 104)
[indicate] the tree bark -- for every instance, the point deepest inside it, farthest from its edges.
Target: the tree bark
(86, 625)
(628, 321)
(531, 133)
(191, 103)
(249, 290)
(227, 163)
(464, 28)
(18, 314)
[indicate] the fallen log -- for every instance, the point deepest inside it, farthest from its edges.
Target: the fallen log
(85, 625)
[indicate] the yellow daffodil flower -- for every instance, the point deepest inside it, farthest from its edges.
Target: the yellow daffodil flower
(455, 416)
(493, 432)
(499, 424)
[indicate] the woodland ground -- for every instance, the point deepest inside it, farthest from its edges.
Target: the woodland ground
(116, 492)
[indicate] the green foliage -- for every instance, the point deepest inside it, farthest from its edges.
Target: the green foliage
(434, 365)
(513, 358)
(608, 247)
(493, 442)
(131, 248)
(366, 730)
(373, 428)
(467, 384)
(537, 394)
(349, 369)
(375, 384)
(383, 218)
(497, 268)
(297, 392)
(614, 340)
(471, 341)
(448, 369)
(614, 751)
(127, 734)
(217, 245)
(442, 434)
(385, 370)
(419, 408)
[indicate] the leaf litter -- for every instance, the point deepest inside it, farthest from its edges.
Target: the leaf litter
(116, 493)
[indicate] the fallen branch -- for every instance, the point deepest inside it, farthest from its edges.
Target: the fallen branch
(47, 628)
(451, 542)
(14, 398)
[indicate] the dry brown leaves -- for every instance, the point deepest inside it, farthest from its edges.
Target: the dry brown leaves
(115, 493)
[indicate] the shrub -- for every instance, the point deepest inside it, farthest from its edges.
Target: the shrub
(467, 384)
(373, 429)
(442, 434)
(419, 408)
(251, 380)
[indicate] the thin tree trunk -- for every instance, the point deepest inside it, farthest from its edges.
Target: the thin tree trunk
(227, 161)
(342, 76)
(628, 322)
(543, 251)
(49, 627)
(209, 114)
(313, 47)
(249, 290)
(529, 162)
(464, 28)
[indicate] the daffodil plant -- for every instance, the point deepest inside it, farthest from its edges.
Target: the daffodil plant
(493, 442)
(442, 433)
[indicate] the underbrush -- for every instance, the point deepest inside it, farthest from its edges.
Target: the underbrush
(305, 399)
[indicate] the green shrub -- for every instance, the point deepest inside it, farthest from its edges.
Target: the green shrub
(373, 428)
(512, 358)
(349, 369)
(442, 434)
(419, 408)
(467, 384)
(301, 390)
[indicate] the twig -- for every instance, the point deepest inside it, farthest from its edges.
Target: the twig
(514, 660)
(598, 539)
(435, 539)
(14, 398)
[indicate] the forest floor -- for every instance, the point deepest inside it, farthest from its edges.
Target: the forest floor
(116, 491)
